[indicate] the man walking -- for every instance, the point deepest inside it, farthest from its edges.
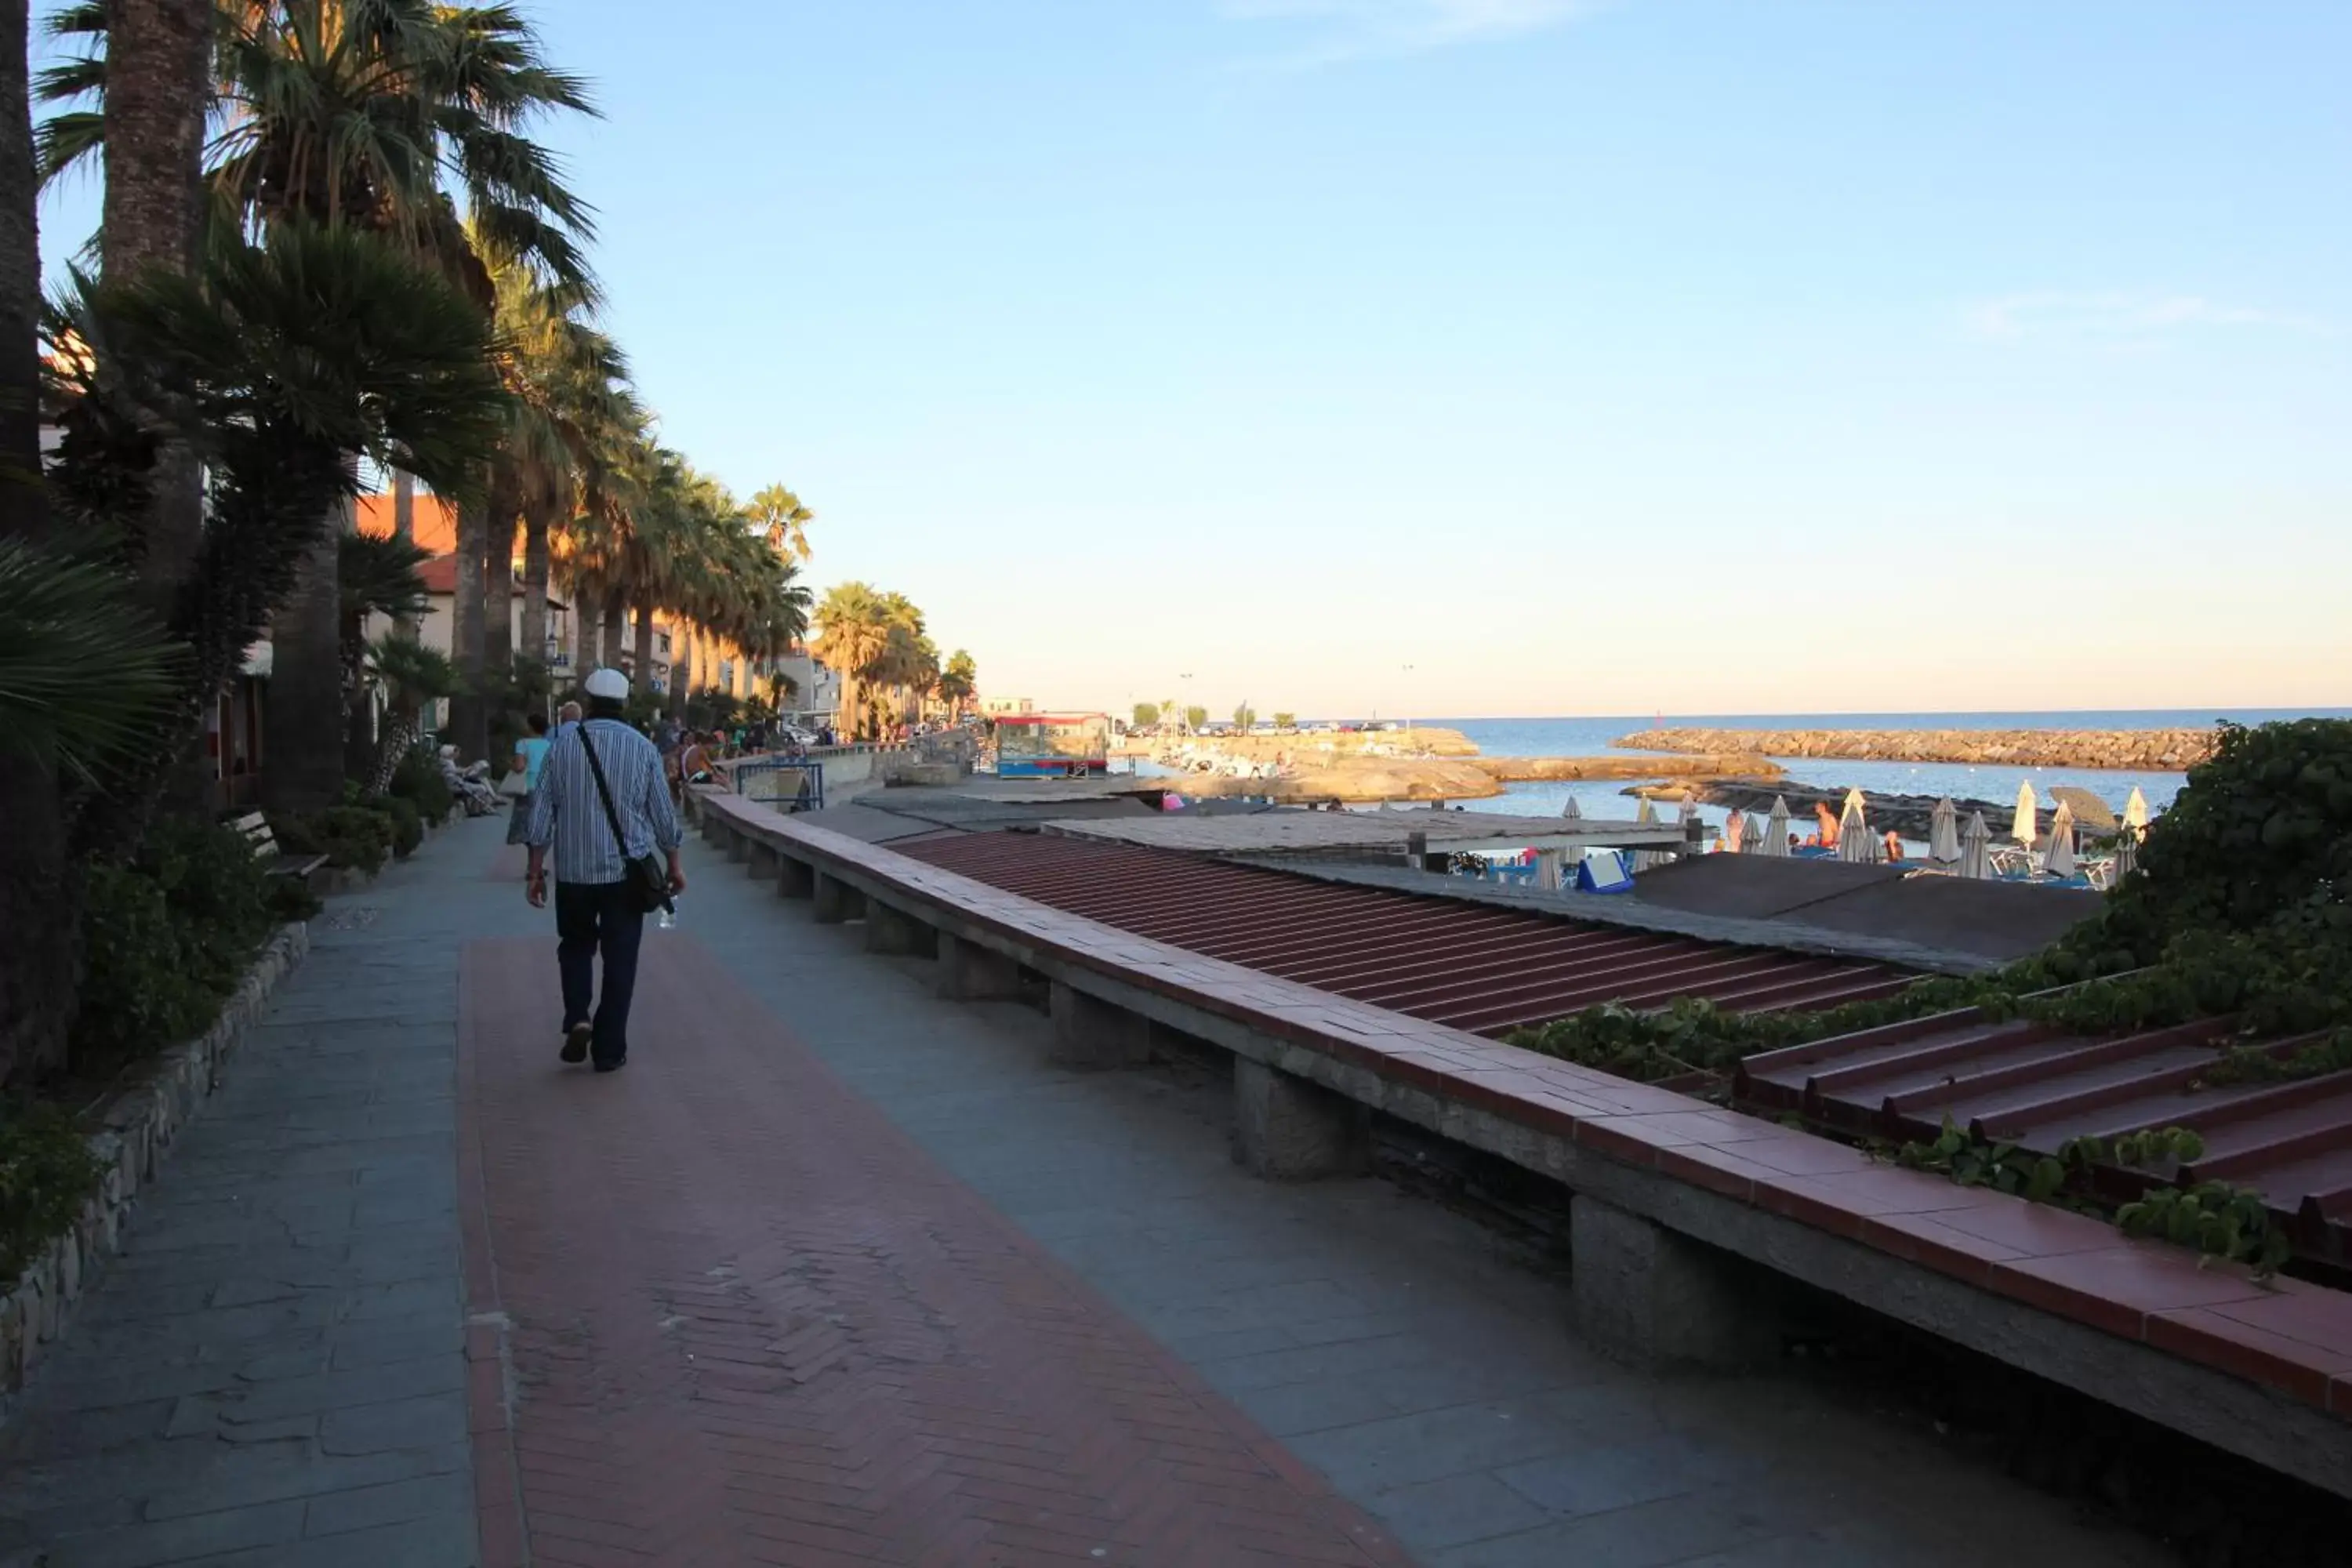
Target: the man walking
(595, 906)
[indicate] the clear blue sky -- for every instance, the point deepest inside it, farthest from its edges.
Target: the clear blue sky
(1710, 355)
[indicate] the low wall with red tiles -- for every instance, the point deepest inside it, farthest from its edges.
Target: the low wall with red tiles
(2261, 1368)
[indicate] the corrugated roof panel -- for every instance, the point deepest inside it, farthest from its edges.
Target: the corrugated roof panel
(2021, 1082)
(1472, 966)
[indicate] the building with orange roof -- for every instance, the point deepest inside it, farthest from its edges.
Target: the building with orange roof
(434, 521)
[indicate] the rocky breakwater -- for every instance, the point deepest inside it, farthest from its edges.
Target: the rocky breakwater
(1692, 765)
(1364, 780)
(1305, 748)
(2133, 751)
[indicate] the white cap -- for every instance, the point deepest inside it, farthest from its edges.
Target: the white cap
(607, 683)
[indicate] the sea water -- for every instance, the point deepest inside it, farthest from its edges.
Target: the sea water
(1992, 782)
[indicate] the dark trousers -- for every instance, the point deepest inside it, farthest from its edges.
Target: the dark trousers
(590, 916)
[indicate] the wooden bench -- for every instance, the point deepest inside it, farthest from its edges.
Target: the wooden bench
(255, 827)
(2260, 1368)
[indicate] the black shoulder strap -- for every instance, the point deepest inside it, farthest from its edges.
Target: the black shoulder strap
(604, 793)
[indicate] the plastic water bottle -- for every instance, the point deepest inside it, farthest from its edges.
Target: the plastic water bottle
(668, 919)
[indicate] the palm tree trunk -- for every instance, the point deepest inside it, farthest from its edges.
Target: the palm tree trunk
(404, 526)
(302, 759)
(845, 718)
(158, 89)
(642, 677)
(468, 727)
(617, 628)
(533, 645)
(498, 600)
(40, 892)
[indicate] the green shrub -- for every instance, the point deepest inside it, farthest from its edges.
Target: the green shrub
(356, 837)
(407, 826)
(146, 982)
(359, 836)
(47, 1174)
(167, 939)
(417, 778)
(290, 899)
(218, 889)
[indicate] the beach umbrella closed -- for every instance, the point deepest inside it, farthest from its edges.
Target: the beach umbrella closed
(1775, 829)
(1976, 840)
(2136, 812)
(1572, 812)
(1944, 832)
(1854, 842)
(2026, 828)
(2060, 859)
(2126, 855)
(1647, 816)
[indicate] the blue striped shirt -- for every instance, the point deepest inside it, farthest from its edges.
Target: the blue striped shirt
(567, 817)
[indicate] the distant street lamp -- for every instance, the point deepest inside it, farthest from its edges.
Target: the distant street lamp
(1408, 705)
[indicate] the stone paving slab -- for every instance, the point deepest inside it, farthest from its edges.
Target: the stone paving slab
(273, 1371)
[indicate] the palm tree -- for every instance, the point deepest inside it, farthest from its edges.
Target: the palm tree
(36, 873)
(274, 367)
(281, 363)
(852, 633)
(411, 675)
(958, 682)
(781, 518)
(364, 113)
(572, 383)
(375, 576)
(156, 55)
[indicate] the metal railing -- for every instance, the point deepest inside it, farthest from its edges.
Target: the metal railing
(787, 784)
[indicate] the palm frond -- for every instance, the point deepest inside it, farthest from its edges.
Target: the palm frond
(85, 678)
(379, 575)
(64, 140)
(412, 673)
(81, 19)
(69, 78)
(334, 331)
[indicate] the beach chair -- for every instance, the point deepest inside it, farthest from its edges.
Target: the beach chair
(2012, 860)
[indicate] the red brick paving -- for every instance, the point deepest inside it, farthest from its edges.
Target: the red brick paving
(727, 1313)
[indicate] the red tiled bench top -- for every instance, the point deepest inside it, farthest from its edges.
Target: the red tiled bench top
(2287, 1335)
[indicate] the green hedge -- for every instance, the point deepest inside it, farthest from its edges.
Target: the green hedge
(407, 825)
(418, 779)
(167, 937)
(354, 837)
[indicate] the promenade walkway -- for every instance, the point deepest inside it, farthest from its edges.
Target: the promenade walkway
(836, 1272)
